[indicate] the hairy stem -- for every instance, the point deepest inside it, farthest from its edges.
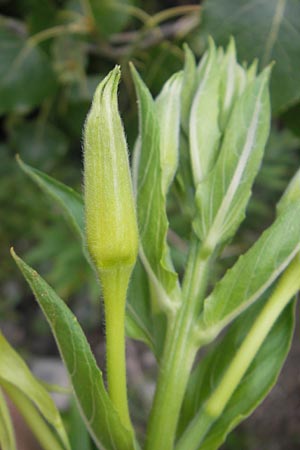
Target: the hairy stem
(114, 284)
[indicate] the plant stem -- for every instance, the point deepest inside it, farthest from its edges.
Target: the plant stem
(286, 288)
(114, 285)
(179, 353)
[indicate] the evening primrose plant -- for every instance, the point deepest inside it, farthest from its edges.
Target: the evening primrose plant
(200, 141)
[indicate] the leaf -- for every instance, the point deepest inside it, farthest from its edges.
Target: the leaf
(151, 201)
(26, 76)
(204, 139)
(79, 436)
(255, 385)
(110, 15)
(70, 201)
(188, 87)
(7, 436)
(168, 113)
(253, 273)
(96, 407)
(267, 30)
(223, 196)
(40, 144)
(43, 432)
(13, 370)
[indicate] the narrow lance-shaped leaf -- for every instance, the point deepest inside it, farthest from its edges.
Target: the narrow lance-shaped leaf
(151, 200)
(253, 273)
(13, 370)
(233, 82)
(70, 201)
(7, 436)
(168, 113)
(98, 412)
(223, 196)
(228, 82)
(188, 87)
(204, 132)
(40, 428)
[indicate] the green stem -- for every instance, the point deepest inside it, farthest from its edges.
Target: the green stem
(114, 285)
(179, 353)
(168, 14)
(48, 33)
(286, 288)
(32, 417)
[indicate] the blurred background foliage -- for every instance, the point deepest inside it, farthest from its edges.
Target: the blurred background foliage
(53, 54)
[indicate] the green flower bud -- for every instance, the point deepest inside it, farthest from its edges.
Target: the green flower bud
(111, 226)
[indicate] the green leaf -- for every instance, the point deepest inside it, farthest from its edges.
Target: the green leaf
(40, 144)
(168, 113)
(255, 385)
(95, 404)
(70, 201)
(110, 16)
(43, 432)
(234, 79)
(26, 76)
(151, 201)
(79, 437)
(269, 31)
(13, 370)
(204, 140)
(188, 87)
(223, 196)
(253, 273)
(7, 436)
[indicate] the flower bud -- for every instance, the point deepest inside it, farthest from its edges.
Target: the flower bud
(111, 227)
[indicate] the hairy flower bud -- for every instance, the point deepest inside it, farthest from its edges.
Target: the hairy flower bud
(111, 226)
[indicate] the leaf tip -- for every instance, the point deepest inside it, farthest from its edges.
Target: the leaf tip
(13, 254)
(134, 72)
(21, 163)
